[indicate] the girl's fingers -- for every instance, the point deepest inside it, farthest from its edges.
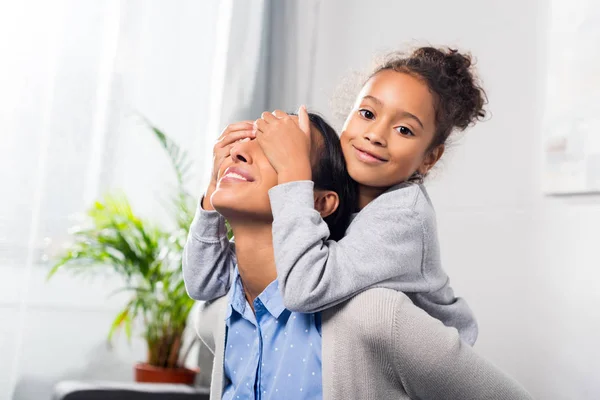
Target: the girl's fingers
(233, 137)
(279, 114)
(304, 120)
(268, 117)
(238, 126)
(260, 124)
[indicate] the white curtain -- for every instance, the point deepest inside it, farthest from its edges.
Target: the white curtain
(241, 67)
(74, 77)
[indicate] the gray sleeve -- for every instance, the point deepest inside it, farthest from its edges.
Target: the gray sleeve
(383, 245)
(433, 363)
(208, 256)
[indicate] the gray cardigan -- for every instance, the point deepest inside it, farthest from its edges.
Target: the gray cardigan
(391, 243)
(378, 345)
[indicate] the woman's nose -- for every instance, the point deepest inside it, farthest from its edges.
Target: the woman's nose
(240, 151)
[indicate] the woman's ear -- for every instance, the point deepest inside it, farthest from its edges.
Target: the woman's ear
(431, 159)
(326, 202)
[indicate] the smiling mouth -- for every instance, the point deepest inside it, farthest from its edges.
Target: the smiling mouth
(236, 175)
(367, 157)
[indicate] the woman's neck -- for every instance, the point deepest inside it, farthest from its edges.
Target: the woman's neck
(367, 194)
(255, 257)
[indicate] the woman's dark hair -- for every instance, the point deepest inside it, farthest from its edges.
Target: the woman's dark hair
(459, 97)
(329, 173)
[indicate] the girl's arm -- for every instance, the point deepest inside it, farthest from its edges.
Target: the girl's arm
(433, 363)
(383, 245)
(208, 256)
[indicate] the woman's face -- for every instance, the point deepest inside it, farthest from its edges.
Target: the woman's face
(243, 182)
(386, 136)
(245, 178)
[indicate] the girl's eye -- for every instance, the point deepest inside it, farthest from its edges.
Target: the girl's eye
(366, 114)
(404, 131)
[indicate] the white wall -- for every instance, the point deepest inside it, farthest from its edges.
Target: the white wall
(527, 264)
(72, 75)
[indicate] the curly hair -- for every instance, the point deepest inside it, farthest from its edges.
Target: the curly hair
(459, 97)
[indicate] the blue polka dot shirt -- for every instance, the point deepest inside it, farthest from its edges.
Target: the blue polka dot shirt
(271, 353)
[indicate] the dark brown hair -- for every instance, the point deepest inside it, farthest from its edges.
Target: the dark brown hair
(459, 97)
(330, 173)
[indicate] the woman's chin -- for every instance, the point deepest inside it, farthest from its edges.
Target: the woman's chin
(235, 207)
(225, 206)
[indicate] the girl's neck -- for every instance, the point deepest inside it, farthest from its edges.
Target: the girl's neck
(367, 194)
(255, 257)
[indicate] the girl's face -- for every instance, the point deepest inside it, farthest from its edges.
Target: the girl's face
(386, 136)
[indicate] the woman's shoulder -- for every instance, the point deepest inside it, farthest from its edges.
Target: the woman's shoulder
(383, 311)
(380, 297)
(427, 358)
(374, 309)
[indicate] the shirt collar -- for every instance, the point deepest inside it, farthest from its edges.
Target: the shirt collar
(272, 300)
(237, 299)
(270, 297)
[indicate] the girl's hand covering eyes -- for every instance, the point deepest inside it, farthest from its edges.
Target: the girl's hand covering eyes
(286, 143)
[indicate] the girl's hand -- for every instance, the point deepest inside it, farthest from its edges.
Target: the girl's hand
(221, 150)
(286, 144)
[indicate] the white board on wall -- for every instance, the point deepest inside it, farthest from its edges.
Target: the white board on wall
(572, 114)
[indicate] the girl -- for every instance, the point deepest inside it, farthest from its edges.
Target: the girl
(394, 135)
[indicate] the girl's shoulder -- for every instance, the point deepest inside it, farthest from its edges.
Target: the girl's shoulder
(403, 198)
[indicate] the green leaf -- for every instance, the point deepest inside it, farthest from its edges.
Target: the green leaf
(114, 239)
(122, 316)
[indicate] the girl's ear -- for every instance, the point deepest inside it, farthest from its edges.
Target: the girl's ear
(326, 202)
(431, 159)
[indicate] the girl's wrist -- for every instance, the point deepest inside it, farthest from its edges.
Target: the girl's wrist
(295, 172)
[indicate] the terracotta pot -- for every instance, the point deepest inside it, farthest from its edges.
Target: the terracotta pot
(148, 373)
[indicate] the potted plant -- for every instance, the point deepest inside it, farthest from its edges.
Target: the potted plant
(148, 259)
